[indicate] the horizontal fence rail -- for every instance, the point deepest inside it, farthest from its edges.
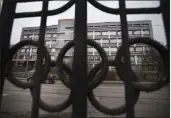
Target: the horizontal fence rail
(81, 83)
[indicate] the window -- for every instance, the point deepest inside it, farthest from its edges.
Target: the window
(90, 33)
(24, 36)
(36, 36)
(105, 33)
(119, 44)
(90, 26)
(53, 50)
(113, 49)
(90, 58)
(89, 49)
(111, 57)
(119, 32)
(137, 32)
(23, 50)
(139, 58)
(98, 41)
(47, 42)
(97, 33)
(106, 49)
(112, 25)
(53, 41)
(32, 30)
(129, 32)
(131, 49)
(145, 24)
(34, 50)
(147, 48)
(55, 29)
(137, 25)
(25, 30)
(37, 30)
(30, 36)
(66, 41)
(132, 58)
(28, 50)
(54, 35)
(48, 29)
(139, 49)
(119, 40)
(113, 40)
(97, 58)
(146, 31)
(129, 25)
(48, 35)
(21, 57)
(52, 57)
(112, 32)
(105, 41)
(97, 26)
(33, 57)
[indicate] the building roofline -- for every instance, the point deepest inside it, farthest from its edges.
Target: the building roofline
(149, 21)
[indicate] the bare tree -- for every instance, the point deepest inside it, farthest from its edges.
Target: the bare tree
(151, 61)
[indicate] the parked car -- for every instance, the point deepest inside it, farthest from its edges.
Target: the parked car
(49, 80)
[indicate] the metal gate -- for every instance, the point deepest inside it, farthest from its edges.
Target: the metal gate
(80, 83)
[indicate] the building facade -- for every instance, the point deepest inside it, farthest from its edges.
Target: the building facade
(107, 34)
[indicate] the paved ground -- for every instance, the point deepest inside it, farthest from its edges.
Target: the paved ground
(17, 102)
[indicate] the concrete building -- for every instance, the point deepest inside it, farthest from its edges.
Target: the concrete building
(107, 34)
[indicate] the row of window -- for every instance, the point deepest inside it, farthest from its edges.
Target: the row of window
(129, 25)
(36, 36)
(35, 50)
(37, 30)
(131, 49)
(109, 41)
(98, 58)
(50, 42)
(90, 58)
(144, 31)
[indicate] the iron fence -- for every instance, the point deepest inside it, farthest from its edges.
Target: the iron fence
(80, 83)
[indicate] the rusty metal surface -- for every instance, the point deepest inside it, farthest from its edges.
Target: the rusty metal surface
(81, 83)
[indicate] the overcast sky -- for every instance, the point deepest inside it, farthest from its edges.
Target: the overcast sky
(94, 15)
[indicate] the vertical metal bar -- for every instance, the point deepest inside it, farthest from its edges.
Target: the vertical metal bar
(79, 83)
(40, 56)
(166, 14)
(0, 6)
(6, 22)
(165, 5)
(129, 94)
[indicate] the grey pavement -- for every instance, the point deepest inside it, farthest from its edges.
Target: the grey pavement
(17, 102)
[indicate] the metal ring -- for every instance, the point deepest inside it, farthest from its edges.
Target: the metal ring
(103, 73)
(164, 53)
(112, 111)
(52, 108)
(12, 51)
(57, 108)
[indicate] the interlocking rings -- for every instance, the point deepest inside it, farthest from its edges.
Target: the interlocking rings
(98, 105)
(12, 51)
(94, 83)
(164, 78)
(137, 85)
